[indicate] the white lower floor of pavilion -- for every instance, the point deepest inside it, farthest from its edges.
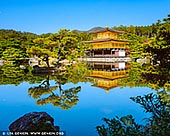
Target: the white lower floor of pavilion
(105, 59)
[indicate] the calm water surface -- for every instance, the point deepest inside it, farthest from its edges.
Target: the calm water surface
(94, 104)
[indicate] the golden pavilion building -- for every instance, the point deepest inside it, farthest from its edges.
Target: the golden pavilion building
(107, 44)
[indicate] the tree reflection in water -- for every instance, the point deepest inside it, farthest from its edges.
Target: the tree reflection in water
(57, 96)
(142, 75)
(64, 98)
(152, 76)
(156, 77)
(16, 74)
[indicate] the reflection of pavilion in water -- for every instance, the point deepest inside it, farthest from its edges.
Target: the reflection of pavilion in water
(107, 75)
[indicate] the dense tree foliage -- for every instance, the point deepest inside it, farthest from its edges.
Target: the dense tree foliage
(62, 45)
(148, 41)
(159, 46)
(13, 44)
(65, 44)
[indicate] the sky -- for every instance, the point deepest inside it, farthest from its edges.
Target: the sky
(48, 16)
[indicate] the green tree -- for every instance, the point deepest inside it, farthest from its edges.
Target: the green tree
(42, 53)
(158, 46)
(13, 44)
(62, 45)
(135, 44)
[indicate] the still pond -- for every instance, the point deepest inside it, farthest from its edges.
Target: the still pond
(77, 98)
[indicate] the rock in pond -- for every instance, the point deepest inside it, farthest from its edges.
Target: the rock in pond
(34, 121)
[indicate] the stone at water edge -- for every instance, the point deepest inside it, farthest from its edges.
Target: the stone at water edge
(34, 121)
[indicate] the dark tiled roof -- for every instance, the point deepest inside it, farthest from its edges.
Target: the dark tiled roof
(105, 40)
(105, 30)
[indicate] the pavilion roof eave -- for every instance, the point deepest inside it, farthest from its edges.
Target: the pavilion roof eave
(106, 40)
(104, 87)
(105, 78)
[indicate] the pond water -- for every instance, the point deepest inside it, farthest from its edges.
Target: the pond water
(81, 117)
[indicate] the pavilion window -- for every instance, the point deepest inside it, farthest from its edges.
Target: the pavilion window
(113, 52)
(98, 52)
(107, 52)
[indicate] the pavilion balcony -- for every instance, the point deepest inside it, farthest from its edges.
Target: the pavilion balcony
(110, 45)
